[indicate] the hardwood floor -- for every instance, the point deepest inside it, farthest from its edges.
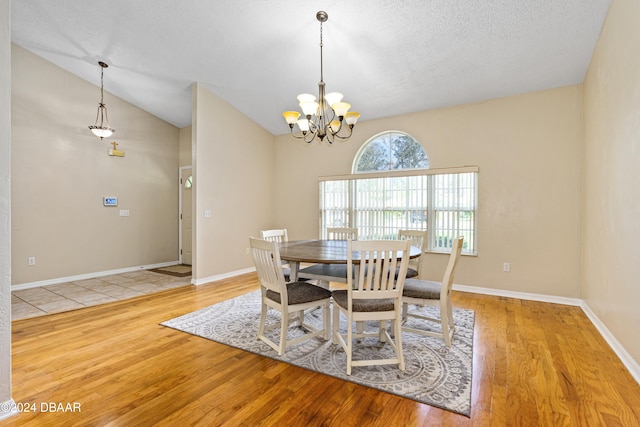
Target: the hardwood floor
(535, 364)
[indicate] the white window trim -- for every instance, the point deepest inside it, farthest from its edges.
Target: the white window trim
(411, 172)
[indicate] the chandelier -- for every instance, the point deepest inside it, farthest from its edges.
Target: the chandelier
(101, 128)
(325, 118)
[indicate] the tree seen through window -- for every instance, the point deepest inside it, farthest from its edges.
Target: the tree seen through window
(391, 151)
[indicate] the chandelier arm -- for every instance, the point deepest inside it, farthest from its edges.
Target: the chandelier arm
(300, 136)
(313, 126)
(312, 135)
(346, 136)
(330, 137)
(304, 136)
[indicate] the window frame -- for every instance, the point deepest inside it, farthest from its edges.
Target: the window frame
(376, 138)
(471, 234)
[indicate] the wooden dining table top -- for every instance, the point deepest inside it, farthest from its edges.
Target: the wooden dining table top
(323, 251)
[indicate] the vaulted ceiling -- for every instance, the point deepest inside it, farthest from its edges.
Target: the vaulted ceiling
(388, 57)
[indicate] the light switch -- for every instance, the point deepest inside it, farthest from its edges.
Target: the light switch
(124, 212)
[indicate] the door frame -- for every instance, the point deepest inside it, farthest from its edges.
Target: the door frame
(180, 170)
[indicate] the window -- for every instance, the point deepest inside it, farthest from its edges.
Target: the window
(387, 193)
(390, 151)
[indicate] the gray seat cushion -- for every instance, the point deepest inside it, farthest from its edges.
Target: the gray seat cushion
(300, 293)
(341, 298)
(410, 272)
(424, 289)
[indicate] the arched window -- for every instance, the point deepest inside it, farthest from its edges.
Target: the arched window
(390, 151)
(391, 188)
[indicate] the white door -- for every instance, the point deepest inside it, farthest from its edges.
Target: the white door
(186, 184)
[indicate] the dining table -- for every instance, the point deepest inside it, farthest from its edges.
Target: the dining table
(328, 259)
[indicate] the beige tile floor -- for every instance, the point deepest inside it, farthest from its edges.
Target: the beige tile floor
(84, 293)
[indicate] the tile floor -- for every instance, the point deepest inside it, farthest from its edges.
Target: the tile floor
(83, 293)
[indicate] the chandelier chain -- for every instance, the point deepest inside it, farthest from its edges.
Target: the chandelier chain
(321, 67)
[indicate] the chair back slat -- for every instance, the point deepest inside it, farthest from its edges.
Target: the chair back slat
(266, 257)
(276, 235)
(379, 260)
(419, 240)
(342, 233)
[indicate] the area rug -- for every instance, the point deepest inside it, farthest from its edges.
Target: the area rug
(180, 270)
(434, 375)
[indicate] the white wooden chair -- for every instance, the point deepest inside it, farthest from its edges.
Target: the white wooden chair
(287, 298)
(425, 292)
(342, 233)
(419, 240)
(376, 295)
(278, 235)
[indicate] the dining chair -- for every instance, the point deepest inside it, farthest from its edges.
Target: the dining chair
(289, 299)
(342, 233)
(275, 235)
(375, 296)
(418, 239)
(427, 293)
(278, 235)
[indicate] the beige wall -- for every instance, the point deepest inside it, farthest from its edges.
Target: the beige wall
(611, 215)
(185, 155)
(61, 173)
(5, 203)
(233, 175)
(529, 151)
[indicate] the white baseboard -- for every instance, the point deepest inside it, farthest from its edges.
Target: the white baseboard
(222, 276)
(8, 409)
(90, 275)
(623, 355)
(519, 295)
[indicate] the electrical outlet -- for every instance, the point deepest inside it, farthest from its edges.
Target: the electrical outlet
(207, 214)
(506, 267)
(31, 260)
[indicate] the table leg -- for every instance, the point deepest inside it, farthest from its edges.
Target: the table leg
(294, 267)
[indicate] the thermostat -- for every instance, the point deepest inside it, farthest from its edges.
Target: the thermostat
(110, 201)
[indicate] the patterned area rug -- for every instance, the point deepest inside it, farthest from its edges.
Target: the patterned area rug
(180, 270)
(434, 374)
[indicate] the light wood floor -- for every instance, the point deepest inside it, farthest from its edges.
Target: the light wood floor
(535, 364)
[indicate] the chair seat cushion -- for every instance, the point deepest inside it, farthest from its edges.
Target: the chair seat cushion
(341, 298)
(300, 293)
(423, 289)
(410, 272)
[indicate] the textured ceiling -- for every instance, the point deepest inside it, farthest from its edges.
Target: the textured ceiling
(388, 57)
